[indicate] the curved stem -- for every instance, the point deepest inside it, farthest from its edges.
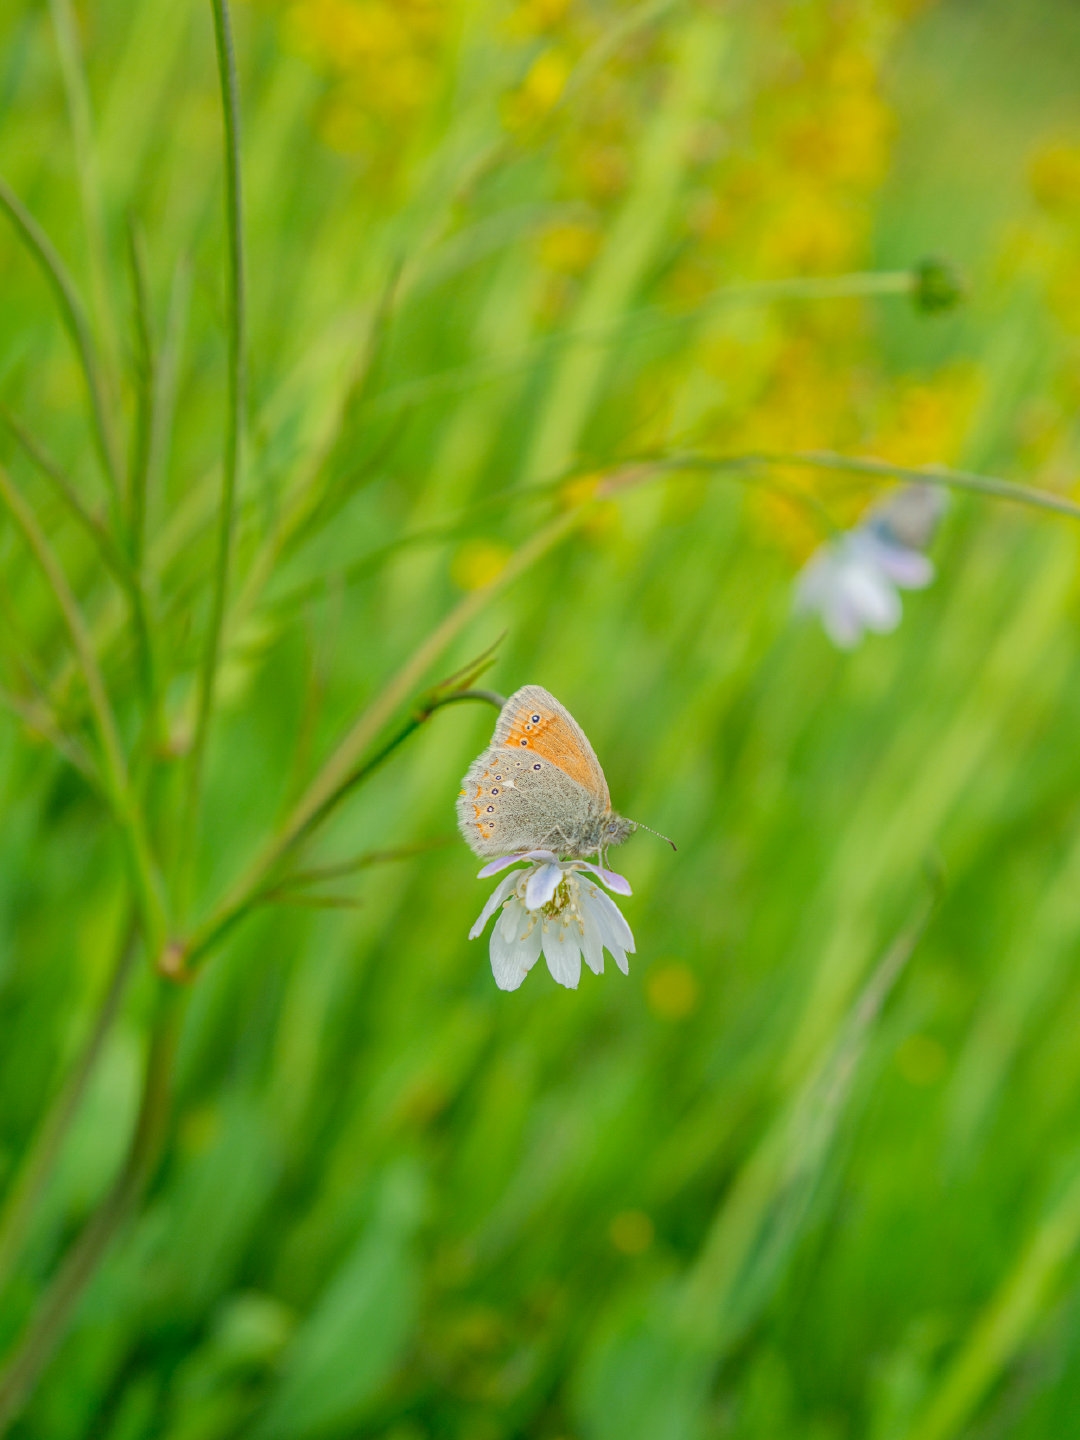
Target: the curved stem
(930, 475)
(146, 392)
(73, 74)
(36, 1170)
(117, 778)
(50, 1321)
(346, 766)
(71, 308)
(233, 435)
(107, 547)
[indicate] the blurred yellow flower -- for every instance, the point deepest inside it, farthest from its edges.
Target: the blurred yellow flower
(479, 562)
(925, 423)
(631, 1232)
(1054, 175)
(534, 17)
(672, 991)
(569, 247)
(539, 92)
(383, 58)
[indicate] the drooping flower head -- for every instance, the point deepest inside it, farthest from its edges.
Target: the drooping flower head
(557, 908)
(854, 580)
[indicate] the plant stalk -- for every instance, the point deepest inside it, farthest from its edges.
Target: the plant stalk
(35, 1172)
(50, 1321)
(237, 365)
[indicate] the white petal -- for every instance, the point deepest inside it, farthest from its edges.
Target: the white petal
(494, 866)
(592, 942)
(816, 579)
(514, 921)
(495, 899)
(615, 920)
(543, 882)
(842, 622)
(599, 916)
(907, 568)
(562, 953)
(874, 597)
(511, 960)
(618, 883)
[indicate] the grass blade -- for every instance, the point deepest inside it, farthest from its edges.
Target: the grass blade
(233, 437)
(78, 327)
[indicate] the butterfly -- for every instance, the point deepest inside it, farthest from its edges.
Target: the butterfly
(538, 786)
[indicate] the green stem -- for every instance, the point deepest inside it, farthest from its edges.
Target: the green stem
(260, 887)
(78, 327)
(117, 780)
(25, 1193)
(146, 390)
(144, 419)
(73, 73)
(339, 774)
(930, 475)
(50, 1321)
(343, 770)
(233, 436)
(297, 879)
(106, 546)
(39, 720)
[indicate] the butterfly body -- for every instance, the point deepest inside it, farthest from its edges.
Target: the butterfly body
(538, 785)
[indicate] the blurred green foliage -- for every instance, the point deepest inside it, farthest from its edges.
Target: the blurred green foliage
(813, 1170)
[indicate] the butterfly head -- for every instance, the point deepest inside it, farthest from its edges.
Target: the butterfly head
(616, 829)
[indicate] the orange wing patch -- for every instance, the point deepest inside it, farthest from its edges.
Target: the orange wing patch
(547, 735)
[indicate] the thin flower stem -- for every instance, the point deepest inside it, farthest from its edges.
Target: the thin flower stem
(119, 564)
(740, 467)
(345, 767)
(309, 902)
(146, 392)
(321, 873)
(26, 1190)
(651, 320)
(929, 475)
(74, 315)
(107, 547)
(145, 368)
(167, 372)
(73, 74)
(50, 1320)
(116, 777)
(233, 438)
(105, 723)
(39, 720)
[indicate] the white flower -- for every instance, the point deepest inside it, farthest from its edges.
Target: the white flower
(854, 580)
(555, 907)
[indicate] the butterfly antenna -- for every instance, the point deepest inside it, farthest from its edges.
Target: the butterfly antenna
(666, 839)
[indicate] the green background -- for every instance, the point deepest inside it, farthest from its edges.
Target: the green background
(763, 1187)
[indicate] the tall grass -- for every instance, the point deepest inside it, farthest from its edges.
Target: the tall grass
(395, 352)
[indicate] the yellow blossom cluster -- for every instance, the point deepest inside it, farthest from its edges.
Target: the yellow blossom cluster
(382, 59)
(777, 182)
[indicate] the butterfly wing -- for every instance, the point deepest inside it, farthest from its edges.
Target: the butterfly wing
(511, 802)
(534, 722)
(538, 786)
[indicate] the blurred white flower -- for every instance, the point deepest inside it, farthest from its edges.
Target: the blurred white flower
(554, 907)
(854, 580)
